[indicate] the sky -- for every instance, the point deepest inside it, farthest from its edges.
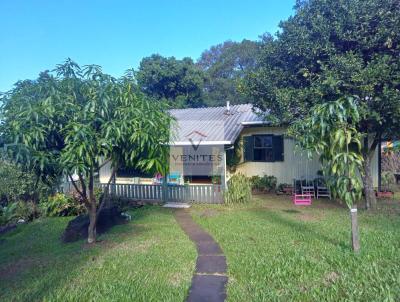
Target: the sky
(35, 35)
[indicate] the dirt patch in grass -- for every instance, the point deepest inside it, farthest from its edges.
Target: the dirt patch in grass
(330, 278)
(25, 264)
(176, 279)
(309, 217)
(209, 213)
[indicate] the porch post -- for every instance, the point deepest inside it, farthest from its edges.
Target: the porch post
(164, 188)
(223, 176)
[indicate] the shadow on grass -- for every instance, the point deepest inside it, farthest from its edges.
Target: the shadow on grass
(34, 263)
(301, 227)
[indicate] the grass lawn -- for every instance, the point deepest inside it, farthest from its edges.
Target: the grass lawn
(278, 252)
(149, 259)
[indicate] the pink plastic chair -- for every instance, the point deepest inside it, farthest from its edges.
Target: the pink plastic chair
(302, 199)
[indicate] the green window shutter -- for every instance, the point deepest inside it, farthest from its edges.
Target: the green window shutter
(277, 144)
(248, 146)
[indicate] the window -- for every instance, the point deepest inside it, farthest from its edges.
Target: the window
(263, 150)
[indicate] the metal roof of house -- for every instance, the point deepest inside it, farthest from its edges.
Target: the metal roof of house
(212, 125)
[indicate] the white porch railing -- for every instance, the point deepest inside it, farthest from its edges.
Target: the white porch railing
(176, 193)
(208, 193)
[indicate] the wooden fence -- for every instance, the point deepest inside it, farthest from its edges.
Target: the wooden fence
(175, 193)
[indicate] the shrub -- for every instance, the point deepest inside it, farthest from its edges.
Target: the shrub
(267, 182)
(388, 180)
(282, 186)
(26, 210)
(16, 184)
(216, 179)
(256, 182)
(270, 182)
(239, 189)
(18, 210)
(7, 214)
(61, 205)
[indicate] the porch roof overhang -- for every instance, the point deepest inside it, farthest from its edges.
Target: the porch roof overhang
(206, 143)
(255, 123)
(212, 125)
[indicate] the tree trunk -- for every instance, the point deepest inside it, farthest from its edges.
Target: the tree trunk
(369, 193)
(370, 198)
(92, 223)
(355, 242)
(92, 210)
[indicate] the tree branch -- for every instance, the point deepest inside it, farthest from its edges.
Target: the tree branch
(74, 184)
(84, 192)
(114, 171)
(91, 187)
(105, 163)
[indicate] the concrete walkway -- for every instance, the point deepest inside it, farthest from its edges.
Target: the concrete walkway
(209, 280)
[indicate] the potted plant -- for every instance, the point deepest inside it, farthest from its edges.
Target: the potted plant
(257, 186)
(269, 182)
(285, 189)
(216, 179)
(387, 180)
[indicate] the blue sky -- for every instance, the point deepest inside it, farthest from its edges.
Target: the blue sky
(37, 35)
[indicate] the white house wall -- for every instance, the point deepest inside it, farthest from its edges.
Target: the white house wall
(105, 173)
(295, 165)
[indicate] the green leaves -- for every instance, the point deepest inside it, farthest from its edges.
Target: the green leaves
(330, 50)
(69, 123)
(330, 132)
(179, 82)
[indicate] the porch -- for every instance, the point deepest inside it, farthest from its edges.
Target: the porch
(206, 193)
(188, 193)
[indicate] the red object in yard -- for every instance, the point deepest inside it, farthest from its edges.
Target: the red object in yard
(302, 199)
(384, 194)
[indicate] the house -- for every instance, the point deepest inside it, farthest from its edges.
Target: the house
(204, 141)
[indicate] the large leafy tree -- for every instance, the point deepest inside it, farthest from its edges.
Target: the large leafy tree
(180, 82)
(73, 120)
(330, 131)
(225, 65)
(333, 49)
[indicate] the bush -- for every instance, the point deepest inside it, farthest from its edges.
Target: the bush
(270, 182)
(61, 205)
(265, 183)
(239, 189)
(16, 184)
(256, 183)
(26, 210)
(7, 214)
(388, 180)
(18, 210)
(282, 186)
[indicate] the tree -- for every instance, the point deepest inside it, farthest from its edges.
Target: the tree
(75, 119)
(180, 82)
(225, 65)
(331, 133)
(329, 50)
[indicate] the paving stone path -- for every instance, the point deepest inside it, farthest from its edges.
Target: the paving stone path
(209, 280)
